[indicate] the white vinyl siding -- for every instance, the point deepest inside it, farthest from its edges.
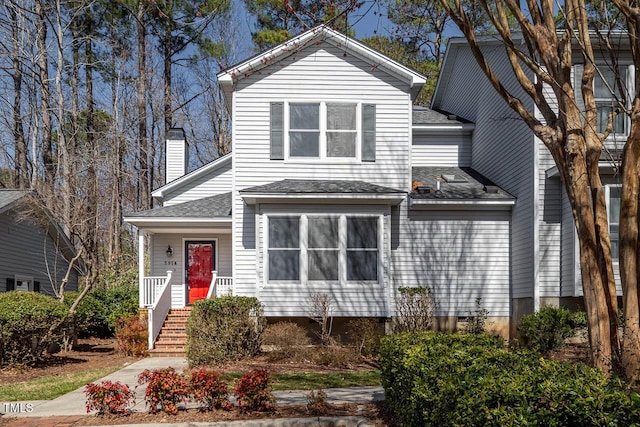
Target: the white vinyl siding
(503, 148)
(320, 73)
(218, 181)
(350, 298)
(176, 159)
(461, 255)
(453, 149)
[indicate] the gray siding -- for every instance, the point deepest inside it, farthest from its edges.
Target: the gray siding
(27, 250)
(503, 149)
(318, 73)
(569, 256)
(460, 255)
(452, 149)
(550, 225)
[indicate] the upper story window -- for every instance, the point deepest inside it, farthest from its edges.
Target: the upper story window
(612, 193)
(323, 130)
(606, 93)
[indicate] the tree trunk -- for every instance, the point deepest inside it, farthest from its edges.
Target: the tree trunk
(144, 185)
(629, 252)
(45, 98)
(21, 170)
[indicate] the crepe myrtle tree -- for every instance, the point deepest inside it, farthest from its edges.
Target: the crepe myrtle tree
(551, 35)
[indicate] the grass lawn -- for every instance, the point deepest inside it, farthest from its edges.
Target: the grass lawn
(51, 387)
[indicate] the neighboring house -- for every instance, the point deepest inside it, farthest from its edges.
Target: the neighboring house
(318, 194)
(545, 265)
(34, 251)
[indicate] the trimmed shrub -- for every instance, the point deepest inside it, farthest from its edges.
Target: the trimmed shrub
(165, 388)
(117, 301)
(223, 329)
(547, 329)
(472, 380)
(253, 392)
(109, 397)
(26, 319)
(89, 317)
(289, 340)
(132, 335)
(209, 390)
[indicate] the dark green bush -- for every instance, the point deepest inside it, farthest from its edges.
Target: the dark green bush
(25, 321)
(433, 379)
(117, 301)
(90, 316)
(547, 329)
(222, 329)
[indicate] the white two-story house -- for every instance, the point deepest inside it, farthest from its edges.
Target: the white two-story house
(338, 185)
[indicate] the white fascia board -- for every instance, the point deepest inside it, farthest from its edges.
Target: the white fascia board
(603, 166)
(146, 221)
(464, 127)
(392, 198)
(461, 204)
(228, 77)
(202, 170)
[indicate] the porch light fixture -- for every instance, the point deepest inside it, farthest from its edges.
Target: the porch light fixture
(169, 251)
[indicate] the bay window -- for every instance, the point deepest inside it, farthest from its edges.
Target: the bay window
(323, 248)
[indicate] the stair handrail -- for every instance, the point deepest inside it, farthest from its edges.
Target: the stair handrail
(157, 313)
(212, 286)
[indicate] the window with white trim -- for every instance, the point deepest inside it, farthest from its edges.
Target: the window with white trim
(606, 92)
(323, 130)
(323, 248)
(23, 283)
(612, 193)
(284, 248)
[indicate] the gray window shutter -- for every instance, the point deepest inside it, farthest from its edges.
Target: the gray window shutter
(36, 286)
(277, 131)
(368, 133)
(11, 284)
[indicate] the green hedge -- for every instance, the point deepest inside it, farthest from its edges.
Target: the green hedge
(114, 302)
(433, 379)
(222, 329)
(25, 320)
(547, 329)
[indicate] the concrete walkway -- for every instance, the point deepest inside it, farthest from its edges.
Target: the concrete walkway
(73, 403)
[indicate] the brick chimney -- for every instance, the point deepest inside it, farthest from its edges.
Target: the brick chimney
(177, 155)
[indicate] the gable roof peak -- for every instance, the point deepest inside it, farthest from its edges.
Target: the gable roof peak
(322, 32)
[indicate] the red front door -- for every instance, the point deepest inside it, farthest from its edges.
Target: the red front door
(200, 256)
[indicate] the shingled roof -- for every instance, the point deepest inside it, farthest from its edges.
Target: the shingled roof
(311, 186)
(427, 116)
(466, 184)
(208, 207)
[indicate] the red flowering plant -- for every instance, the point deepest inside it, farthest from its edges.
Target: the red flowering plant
(109, 397)
(209, 389)
(165, 388)
(253, 392)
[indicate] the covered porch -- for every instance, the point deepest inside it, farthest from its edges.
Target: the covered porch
(184, 255)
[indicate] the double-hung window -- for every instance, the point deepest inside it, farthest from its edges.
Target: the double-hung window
(284, 248)
(323, 248)
(323, 130)
(333, 131)
(613, 209)
(607, 96)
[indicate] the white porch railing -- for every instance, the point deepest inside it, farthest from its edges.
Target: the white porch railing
(159, 309)
(220, 286)
(150, 289)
